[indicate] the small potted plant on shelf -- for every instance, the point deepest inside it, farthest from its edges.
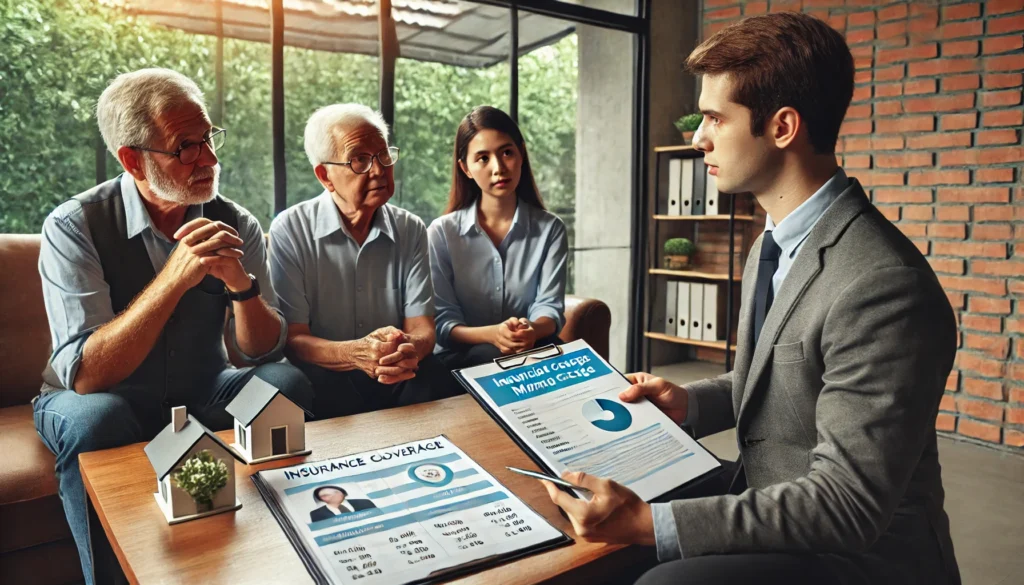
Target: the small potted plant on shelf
(688, 124)
(678, 252)
(202, 477)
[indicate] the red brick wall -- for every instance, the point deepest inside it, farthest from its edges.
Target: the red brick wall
(934, 133)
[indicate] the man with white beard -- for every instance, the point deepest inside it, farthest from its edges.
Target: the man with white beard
(138, 274)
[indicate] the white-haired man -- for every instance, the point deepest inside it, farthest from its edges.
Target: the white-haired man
(353, 274)
(138, 274)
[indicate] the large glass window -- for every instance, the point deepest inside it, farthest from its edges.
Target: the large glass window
(548, 93)
(575, 108)
(329, 58)
(58, 57)
(432, 97)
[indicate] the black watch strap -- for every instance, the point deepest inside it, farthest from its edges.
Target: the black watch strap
(254, 290)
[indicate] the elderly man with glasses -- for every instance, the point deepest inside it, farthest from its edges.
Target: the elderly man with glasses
(139, 274)
(353, 275)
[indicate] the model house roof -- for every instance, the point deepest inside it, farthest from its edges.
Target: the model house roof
(168, 447)
(253, 399)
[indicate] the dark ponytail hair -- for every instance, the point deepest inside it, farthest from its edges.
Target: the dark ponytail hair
(464, 190)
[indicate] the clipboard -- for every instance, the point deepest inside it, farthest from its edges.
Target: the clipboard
(702, 485)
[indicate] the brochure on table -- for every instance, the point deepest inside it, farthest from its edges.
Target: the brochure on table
(411, 513)
(561, 405)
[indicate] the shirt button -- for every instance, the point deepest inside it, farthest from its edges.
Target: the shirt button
(360, 325)
(359, 289)
(171, 353)
(497, 288)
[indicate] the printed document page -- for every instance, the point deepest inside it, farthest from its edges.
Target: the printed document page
(566, 408)
(401, 514)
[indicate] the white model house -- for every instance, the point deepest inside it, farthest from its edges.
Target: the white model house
(167, 452)
(267, 424)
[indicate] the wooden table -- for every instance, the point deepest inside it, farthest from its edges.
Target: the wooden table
(248, 546)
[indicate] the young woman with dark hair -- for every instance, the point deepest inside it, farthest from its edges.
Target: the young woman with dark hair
(497, 256)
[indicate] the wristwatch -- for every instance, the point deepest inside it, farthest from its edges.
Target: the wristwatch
(254, 290)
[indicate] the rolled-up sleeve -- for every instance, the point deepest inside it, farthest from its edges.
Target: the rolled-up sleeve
(255, 261)
(287, 274)
(419, 294)
(449, 312)
(550, 299)
(76, 297)
(666, 537)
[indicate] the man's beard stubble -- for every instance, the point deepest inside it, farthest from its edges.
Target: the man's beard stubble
(165, 188)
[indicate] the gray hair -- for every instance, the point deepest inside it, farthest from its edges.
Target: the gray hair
(127, 110)
(320, 129)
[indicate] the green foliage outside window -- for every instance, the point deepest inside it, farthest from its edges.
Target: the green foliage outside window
(58, 55)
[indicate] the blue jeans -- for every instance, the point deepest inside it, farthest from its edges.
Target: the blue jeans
(70, 423)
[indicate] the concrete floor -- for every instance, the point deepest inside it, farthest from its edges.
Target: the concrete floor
(984, 495)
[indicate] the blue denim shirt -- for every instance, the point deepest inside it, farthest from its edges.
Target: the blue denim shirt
(342, 290)
(77, 298)
(477, 284)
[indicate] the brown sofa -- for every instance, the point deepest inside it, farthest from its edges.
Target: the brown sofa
(35, 541)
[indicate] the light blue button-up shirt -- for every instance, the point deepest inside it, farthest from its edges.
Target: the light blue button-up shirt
(77, 298)
(789, 235)
(342, 290)
(477, 284)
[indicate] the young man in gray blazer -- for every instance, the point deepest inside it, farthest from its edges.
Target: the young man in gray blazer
(845, 342)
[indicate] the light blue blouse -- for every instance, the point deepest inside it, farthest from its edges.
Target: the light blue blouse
(477, 284)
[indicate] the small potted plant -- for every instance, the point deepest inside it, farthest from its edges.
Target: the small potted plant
(688, 124)
(678, 252)
(202, 477)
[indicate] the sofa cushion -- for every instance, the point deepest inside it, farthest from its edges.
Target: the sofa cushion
(588, 319)
(24, 331)
(53, 563)
(28, 486)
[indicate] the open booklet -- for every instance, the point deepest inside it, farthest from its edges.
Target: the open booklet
(560, 405)
(412, 513)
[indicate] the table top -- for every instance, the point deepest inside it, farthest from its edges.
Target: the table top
(248, 545)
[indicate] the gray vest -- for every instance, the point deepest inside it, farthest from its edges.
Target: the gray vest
(190, 352)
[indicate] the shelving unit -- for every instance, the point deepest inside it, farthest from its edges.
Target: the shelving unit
(659, 224)
(681, 341)
(692, 274)
(702, 218)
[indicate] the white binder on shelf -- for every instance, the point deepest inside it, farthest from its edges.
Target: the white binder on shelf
(683, 310)
(686, 186)
(710, 195)
(671, 302)
(696, 310)
(675, 174)
(714, 313)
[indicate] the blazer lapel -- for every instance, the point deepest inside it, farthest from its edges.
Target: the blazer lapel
(806, 267)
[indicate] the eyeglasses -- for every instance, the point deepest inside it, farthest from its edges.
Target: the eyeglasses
(189, 152)
(361, 164)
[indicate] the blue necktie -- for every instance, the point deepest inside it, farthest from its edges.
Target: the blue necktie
(764, 293)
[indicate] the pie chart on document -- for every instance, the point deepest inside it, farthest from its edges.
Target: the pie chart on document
(607, 415)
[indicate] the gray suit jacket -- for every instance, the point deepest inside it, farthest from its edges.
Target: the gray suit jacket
(835, 409)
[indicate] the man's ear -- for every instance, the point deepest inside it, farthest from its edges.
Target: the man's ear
(784, 126)
(321, 175)
(465, 169)
(131, 160)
